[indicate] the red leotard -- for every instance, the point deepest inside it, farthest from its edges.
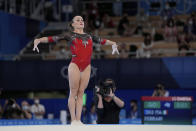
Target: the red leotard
(81, 46)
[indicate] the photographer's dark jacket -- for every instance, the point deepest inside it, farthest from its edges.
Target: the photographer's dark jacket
(109, 114)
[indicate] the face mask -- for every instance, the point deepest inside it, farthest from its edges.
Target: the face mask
(25, 107)
(63, 50)
(165, 18)
(166, 7)
(94, 11)
(97, 23)
(14, 106)
(36, 101)
(190, 22)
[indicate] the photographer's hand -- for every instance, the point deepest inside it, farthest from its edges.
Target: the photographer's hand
(111, 94)
(117, 100)
(100, 102)
(97, 92)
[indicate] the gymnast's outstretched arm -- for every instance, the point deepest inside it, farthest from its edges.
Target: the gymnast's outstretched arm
(48, 39)
(106, 42)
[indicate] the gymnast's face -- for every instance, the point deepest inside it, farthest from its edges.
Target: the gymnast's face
(78, 22)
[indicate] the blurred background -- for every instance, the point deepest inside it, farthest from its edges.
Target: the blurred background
(157, 44)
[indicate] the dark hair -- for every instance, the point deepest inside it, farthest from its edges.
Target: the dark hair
(134, 101)
(11, 101)
(186, 47)
(109, 81)
(147, 39)
(92, 104)
(70, 27)
(160, 86)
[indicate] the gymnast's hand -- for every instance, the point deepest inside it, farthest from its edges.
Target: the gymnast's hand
(115, 49)
(36, 42)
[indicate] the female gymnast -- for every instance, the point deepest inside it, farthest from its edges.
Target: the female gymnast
(79, 69)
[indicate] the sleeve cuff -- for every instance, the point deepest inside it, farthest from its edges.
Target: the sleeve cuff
(50, 39)
(103, 41)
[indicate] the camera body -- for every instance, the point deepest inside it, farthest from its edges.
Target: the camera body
(11, 102)
(105, 87)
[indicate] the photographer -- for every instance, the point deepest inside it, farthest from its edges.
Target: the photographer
(12, 110)
(109, 105)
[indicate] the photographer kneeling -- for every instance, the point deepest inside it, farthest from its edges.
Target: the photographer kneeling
(108, 105)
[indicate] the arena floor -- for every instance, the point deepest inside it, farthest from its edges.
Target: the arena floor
(100, 128)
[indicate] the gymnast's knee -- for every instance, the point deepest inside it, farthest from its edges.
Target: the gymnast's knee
(73, 92)
(80, 93)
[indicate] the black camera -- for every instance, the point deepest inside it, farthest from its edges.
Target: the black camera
(11, 102)
(105, 87)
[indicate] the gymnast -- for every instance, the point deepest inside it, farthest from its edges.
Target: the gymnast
(81, 45)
